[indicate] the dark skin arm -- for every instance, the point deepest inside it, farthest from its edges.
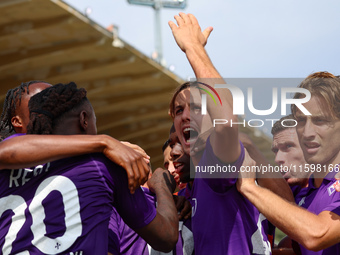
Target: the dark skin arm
(162, 232)
(31, 150)
(283, 251)
(183, 207)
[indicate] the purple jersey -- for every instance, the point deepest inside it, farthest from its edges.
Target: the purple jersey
(317, 200)
(298, 193)
(64, 207)
(15, 135)
(186, 192)
(130, 243)
(223, 221)
(185, 228)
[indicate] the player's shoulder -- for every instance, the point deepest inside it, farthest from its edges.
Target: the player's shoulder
(93, 159)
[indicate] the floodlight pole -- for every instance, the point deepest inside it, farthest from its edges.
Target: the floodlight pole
(158, 31)
(157, 6)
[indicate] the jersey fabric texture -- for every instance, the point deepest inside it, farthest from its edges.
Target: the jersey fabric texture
(223, 221)
(64, 207)
(130, 243)
(317, 200)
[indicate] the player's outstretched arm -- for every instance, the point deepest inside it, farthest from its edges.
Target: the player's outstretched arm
(315, 232)
(31, 150)
(191, 40)
(183, 207)
(270, 180)
(162, 232)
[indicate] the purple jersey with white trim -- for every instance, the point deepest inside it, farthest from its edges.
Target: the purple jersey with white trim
(223, 221)
(299, 193)
(64, 207)
(186, 192)
(185, 228)
(317, 200)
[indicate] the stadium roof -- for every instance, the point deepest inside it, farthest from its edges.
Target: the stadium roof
(49, 40)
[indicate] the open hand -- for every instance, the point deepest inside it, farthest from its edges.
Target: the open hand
(187, 32)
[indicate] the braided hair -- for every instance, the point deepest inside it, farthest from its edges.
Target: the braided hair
(12, 100)
(4, 133)
(48, 107)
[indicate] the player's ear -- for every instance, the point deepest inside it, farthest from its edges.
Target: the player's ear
(83, 121)
(16, 121)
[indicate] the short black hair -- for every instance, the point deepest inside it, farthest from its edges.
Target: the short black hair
(167, 142)
(277, 127)
(165, 145)
(4, 133)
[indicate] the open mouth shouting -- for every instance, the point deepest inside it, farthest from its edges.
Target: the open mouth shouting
(190, 135)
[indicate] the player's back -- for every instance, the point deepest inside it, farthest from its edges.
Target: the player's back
(62, 207)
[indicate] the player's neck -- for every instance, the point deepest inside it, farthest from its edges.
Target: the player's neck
(326, 167)
(305, 182)
(318, 176)
(317, 182)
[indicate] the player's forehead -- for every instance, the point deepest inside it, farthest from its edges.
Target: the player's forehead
(166, 154)
(182, 97)
(39, 86)
(35, 88)
(167, 160)
(187, 96)
(318, 107)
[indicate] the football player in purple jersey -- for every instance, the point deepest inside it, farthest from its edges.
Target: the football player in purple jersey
(63, 207)
(288, 153)
(26, 151)
(220, 214)
(315, 226)
(130, 243)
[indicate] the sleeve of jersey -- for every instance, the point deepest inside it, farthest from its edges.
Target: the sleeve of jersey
(221, 176)
(136, 209)
(114, 235)
(334, 207)
(15, 135)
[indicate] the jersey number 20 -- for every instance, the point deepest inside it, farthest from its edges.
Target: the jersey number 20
(45, 244)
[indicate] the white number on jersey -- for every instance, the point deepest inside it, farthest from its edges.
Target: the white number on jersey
(45, 244)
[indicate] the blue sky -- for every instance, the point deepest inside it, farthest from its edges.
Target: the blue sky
(251, 39)
(262, 38)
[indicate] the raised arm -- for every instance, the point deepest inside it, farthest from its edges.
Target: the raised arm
(31, 150)
(192, 40)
